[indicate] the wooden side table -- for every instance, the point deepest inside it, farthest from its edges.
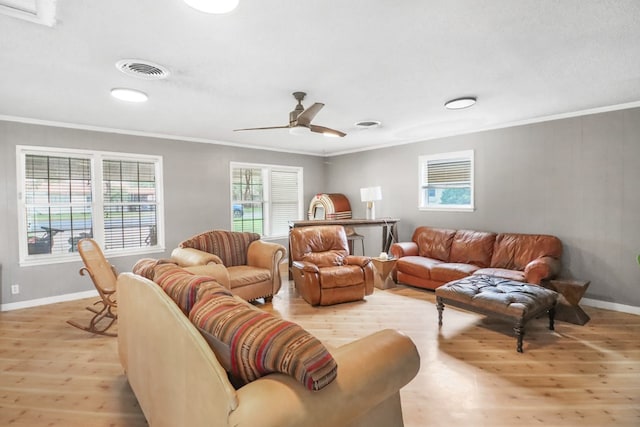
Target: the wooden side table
(383, 268)
(571, 292)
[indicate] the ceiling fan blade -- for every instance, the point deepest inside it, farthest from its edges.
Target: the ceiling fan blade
(263, 128)
(326, 131)
(307, 115)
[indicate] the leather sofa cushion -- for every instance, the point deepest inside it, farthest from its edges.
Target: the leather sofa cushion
(434, 242)
(244, 275)
(230, 246)
(323, 246)
(251, 343)
(472, 247)
(341, 276)
(447, 272)
(416, 266)
(325, 259)
(514, 251)
(503, 273)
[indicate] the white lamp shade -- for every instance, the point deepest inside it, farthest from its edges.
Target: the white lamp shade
(213, 6)
(370, 194)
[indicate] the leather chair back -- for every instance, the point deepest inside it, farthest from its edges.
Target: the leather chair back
(323, 246)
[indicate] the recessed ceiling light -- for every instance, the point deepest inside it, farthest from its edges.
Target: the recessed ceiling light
(368, 124)
(460, 103)
(213, 6)
(129, 95)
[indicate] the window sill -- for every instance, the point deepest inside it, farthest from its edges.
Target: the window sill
(447, 209)
(75, 257)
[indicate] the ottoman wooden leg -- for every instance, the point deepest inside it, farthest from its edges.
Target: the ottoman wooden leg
(552, 315)
(519, 330)
(440, 307)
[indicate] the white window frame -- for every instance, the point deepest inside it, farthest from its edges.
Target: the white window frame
(97, 204)
(267, 199)
(423, 162)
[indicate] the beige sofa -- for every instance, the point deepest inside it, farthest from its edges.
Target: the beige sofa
(179, 382)
(435, 256)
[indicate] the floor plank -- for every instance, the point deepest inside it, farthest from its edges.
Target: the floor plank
(470, 375)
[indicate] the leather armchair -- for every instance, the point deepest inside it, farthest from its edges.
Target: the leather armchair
(323, 271)
(240, 261)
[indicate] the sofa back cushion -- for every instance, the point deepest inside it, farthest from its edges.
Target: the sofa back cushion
(514, 251)
(324, 246)
(472, 247)
(434, 242)
(251, 343)
(230, 246)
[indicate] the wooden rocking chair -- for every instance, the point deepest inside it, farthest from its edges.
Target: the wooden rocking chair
(103, 275)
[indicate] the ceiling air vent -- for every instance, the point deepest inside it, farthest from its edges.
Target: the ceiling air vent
(368, 124)
(142, 69)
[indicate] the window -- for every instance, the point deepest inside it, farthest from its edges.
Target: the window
(446, 181)
(66, 195)
(264, 198)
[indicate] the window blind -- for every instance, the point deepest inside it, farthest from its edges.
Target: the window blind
(284, 200)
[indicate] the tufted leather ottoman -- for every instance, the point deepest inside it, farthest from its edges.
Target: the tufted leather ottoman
(496, 297)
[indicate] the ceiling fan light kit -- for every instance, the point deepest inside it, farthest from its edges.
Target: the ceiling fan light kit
(460, 103)
(299, 130)
(213, 6)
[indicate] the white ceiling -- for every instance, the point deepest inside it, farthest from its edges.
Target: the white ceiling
(393, 61)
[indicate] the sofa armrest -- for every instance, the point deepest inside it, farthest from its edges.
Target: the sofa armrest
(370, 371)
(541, 269)
(265, 254)
(187, 257)
(217, 271)
(400, 249)
(305, 266)
(362, 261)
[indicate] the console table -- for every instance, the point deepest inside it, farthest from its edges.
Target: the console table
(389, 229)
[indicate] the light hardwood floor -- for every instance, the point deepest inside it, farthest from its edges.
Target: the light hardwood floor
(471, 375)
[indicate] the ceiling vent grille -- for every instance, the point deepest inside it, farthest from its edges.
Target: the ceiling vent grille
(368, 124)
(142, 69)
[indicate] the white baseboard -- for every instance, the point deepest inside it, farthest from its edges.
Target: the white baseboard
(49, 300)
(89, 294)
(611, 306)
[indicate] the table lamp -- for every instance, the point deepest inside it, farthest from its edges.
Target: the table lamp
(370, 195)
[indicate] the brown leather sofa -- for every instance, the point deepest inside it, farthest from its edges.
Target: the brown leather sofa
(436, 256)
(323, 270)
(240, 261)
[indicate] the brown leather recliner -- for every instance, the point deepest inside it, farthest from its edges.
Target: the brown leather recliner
(323, 271)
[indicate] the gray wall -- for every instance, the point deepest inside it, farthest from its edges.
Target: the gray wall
(196, 191)
(575, 178)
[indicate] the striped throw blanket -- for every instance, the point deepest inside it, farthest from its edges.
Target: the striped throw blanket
(258, 343)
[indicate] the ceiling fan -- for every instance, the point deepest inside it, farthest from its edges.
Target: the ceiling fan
(300, 120)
